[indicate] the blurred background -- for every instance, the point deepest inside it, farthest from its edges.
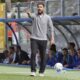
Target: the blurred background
(21, 31)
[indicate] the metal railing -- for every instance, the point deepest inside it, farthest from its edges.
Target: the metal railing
(54, 7)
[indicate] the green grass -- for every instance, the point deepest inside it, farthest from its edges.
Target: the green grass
(22, 73)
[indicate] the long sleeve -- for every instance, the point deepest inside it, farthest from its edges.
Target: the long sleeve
(51, 27)
(31, 15)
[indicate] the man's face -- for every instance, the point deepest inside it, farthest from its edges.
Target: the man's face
(11, 50)
(40, 9)
(64, 52)
(71, 51)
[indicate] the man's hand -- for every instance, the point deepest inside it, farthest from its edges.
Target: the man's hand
(24, 62)
(27, 11)
(51, 42)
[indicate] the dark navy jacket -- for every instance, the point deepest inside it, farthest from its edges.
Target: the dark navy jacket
(58, 57)
(71, 61)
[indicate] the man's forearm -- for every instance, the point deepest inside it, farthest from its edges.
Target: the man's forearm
(29, 14)
(52, 38)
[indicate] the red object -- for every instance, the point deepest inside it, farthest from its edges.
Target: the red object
(14, 26)
(9, 33)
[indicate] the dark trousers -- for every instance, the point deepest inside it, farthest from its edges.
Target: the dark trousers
(41, 46)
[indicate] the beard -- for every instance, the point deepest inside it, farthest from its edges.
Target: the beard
(40, 12)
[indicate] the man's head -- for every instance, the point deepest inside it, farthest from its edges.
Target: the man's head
(11, 50)
(64, 51)
(71, 45)
(40, 8)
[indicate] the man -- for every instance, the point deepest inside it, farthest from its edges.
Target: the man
(78, 59)
(54, 56)
(41, 23)
(21, 56)
(12, 55)
(65, 55)
(72, 46)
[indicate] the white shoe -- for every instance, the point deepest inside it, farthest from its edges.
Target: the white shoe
(41, 74)
(33, 74)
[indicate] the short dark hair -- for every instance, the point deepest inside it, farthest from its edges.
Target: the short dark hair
(65, 49)
(11, 47)
(72, 44)
(5, 51)
(75, 14)
(41, 3)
